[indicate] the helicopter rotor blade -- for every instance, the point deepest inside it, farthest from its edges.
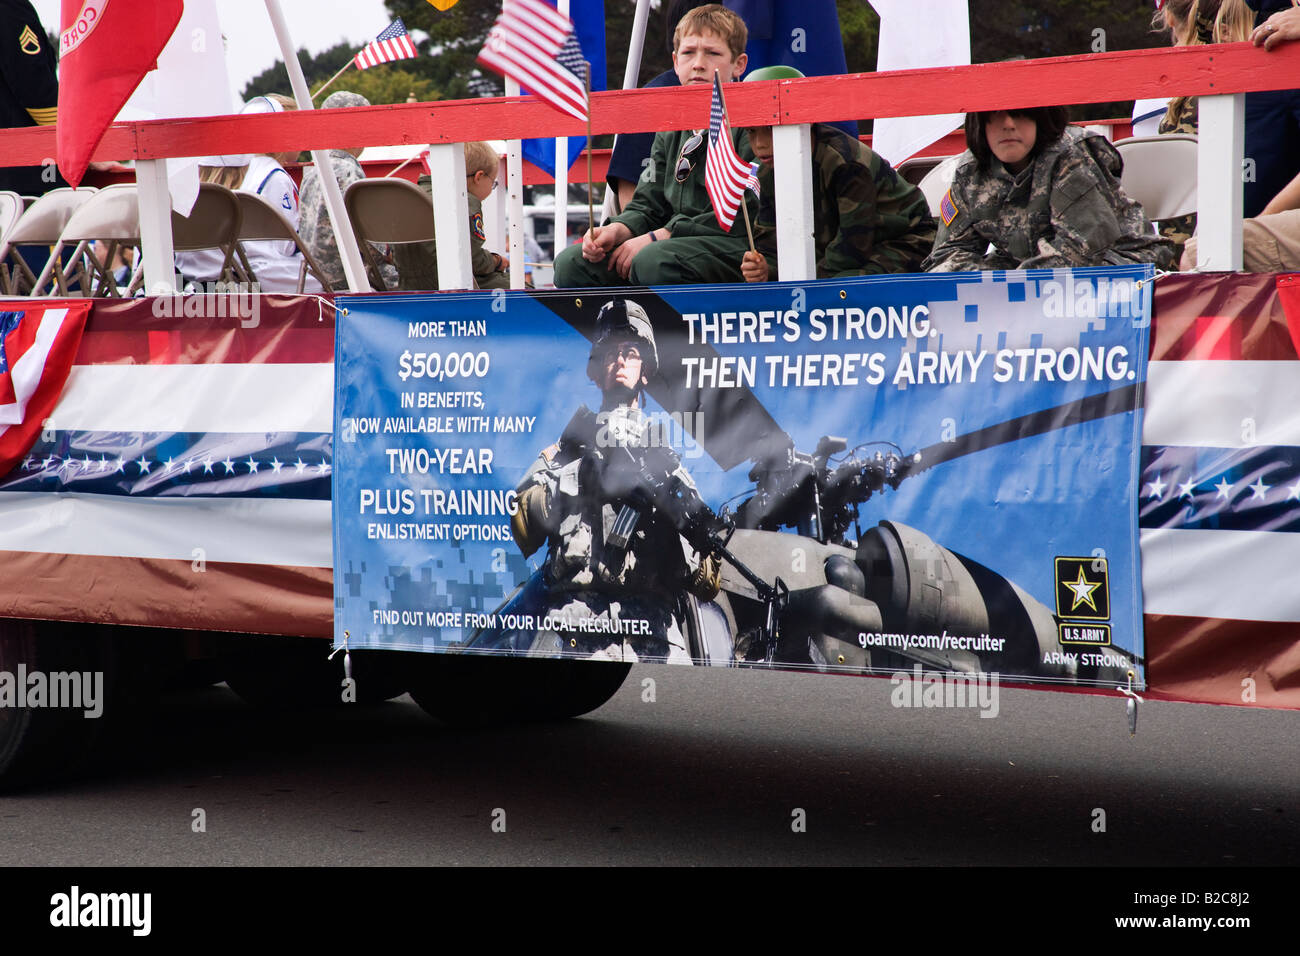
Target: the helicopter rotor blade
(734, 426)
(1114, 402)
(731, 424)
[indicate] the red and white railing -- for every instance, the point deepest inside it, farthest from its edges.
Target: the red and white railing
(1219, 75)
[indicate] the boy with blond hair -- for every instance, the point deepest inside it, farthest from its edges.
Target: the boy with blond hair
(668, 233)
(418, 263)
(481, 166)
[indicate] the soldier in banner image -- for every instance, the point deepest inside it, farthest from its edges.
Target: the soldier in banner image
(606, 501)
(669, 233)
(867, 219)
(1045, 195)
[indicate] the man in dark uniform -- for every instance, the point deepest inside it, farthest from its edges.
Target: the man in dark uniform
(29, 91)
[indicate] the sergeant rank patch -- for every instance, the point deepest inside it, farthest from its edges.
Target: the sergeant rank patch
(29, 42)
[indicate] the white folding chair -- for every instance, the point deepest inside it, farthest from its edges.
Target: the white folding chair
(936, 182)
(913, 170)
(213, 223)
(11, 209)
(390, 211)
(1160, 173)
(111, 215)
(40, 225)
(262, 221)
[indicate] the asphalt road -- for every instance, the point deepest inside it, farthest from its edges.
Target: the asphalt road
(734, 767)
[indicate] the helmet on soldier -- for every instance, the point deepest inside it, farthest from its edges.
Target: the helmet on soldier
(620, 320)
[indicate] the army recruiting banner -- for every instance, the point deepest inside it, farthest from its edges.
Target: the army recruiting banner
(860, 476)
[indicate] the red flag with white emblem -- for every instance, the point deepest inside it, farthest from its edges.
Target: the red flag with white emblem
(105, 49)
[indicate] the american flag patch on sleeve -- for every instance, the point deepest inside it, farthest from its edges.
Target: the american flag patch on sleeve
(947, 208)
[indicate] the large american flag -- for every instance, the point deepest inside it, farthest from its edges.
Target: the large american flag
(726, 175)
(1219, 503)
(534, 44)
(182, 478)
(392, 44)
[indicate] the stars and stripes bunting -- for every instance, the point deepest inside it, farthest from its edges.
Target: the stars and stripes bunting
(392, 44)
(1219, 501)
(726, 175)
(189, 462)
(37, 344)
(534, 44)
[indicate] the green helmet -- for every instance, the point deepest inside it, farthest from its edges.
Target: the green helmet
(621, 320)
(777, 72)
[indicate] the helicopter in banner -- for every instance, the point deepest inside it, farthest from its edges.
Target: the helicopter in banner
(800, 583)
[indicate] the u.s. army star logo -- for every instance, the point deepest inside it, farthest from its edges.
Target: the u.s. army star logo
(1082, 589)
(29, 42)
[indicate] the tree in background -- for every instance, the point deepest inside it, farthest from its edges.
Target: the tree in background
(388, 83)
(445, 69)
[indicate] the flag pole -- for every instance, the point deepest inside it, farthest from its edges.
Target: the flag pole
(749, 230)
(726, 120)
(334, 77)
(591, 215)
(402, 165)
(354, 269)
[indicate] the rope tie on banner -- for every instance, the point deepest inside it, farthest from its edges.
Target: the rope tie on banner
(1162, 273)
(1131, 708)
(347, 657)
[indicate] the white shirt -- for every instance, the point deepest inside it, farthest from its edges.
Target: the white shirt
(275, 263)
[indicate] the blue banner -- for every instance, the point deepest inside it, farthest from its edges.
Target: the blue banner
(862, 475)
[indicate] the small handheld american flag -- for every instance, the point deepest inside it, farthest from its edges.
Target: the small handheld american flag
(726, 175)
(392, 44)
(534, 44)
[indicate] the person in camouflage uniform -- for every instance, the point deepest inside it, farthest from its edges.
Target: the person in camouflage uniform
(867, 219)
(611, 602)
(314, 226)
(1195, 23)
(1044, 195)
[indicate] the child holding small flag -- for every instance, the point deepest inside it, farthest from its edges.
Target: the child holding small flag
(669, 232)
(867, 220)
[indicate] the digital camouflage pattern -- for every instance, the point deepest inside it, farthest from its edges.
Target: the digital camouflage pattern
(1065, 209)
(867, 220)
(315, 228)
(562, 503)
(1181, 118)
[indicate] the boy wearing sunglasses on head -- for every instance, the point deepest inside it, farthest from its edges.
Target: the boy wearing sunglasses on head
(668, 233)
